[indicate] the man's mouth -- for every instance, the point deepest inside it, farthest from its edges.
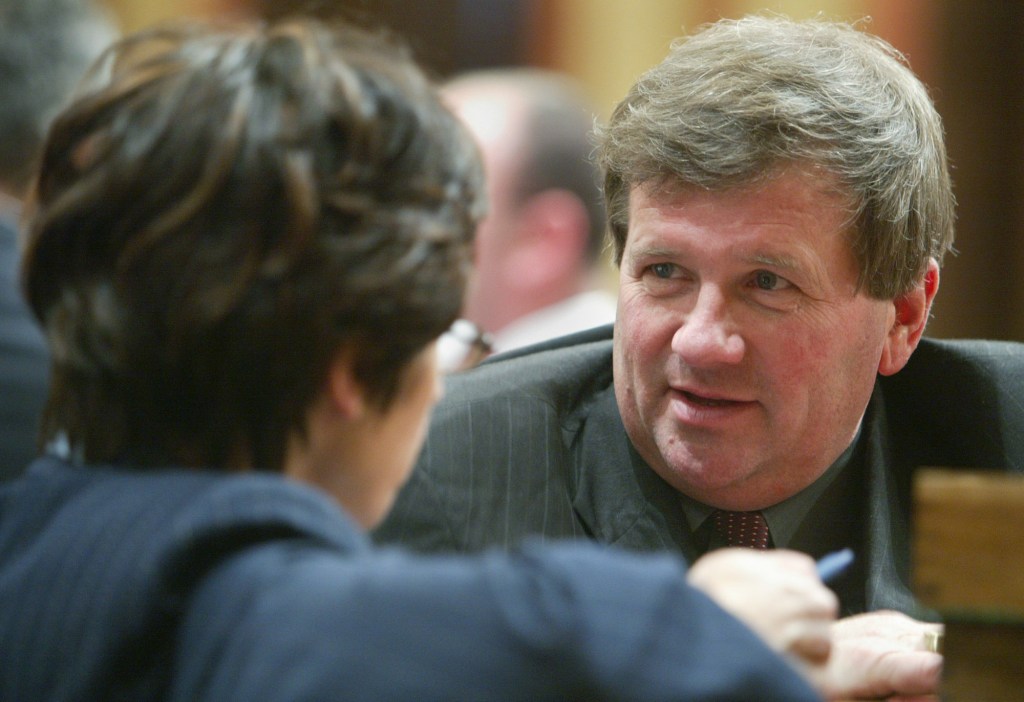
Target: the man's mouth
(706, 401)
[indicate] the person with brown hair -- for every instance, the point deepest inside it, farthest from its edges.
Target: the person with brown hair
(243, 243)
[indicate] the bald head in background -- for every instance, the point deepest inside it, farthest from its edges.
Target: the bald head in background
(538, 251)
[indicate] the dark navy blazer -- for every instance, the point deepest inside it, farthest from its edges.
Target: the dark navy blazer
(186, 585)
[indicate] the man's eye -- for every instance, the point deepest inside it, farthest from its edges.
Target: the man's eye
(766, 280)
(663, 270)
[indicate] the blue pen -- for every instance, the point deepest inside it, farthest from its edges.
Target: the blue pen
(833, 564)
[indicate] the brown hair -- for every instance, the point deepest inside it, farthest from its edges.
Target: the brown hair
(740, 100)
(224, 211)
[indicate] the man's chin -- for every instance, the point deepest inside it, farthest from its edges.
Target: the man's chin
(713, 482)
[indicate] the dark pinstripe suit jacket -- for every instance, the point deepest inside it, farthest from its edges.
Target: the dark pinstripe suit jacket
(191, 586)
(533, 444)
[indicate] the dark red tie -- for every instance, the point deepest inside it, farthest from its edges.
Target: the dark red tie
(746, 529)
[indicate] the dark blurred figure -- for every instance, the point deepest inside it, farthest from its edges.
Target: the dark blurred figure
(45, 46)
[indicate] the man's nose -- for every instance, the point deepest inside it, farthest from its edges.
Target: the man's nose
(708, 334)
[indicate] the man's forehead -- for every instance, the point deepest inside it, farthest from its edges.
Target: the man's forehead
(814, 177)
(776, 221)
(817, 189)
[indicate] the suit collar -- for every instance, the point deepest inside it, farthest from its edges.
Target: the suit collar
(887, 510)
(622, 501)
(616, 495)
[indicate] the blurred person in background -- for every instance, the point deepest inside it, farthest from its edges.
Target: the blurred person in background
(45, 47)
(537, 272)
(243, 243)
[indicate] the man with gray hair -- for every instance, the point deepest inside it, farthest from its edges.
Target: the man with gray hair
(779, 202)
(45, 47)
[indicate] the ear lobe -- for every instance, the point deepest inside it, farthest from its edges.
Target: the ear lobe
(344, 393)
(911, 316)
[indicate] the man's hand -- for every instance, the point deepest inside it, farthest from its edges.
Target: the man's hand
(777, 594)
(880, 655)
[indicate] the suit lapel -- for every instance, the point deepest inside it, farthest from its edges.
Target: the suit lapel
(620, 500)
(887, 538)
(616, 495)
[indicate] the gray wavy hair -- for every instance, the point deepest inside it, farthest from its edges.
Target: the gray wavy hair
(741, 99)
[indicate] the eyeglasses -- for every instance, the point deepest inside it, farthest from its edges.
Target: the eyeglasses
(462, 347)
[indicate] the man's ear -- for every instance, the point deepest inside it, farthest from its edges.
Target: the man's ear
(911, 316)
(344, 393)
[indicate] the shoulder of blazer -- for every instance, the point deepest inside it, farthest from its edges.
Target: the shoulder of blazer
(962, 370)
(960, 402)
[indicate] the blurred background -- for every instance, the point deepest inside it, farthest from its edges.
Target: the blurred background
(970, 54)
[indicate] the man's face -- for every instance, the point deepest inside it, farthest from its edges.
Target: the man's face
(744, 354)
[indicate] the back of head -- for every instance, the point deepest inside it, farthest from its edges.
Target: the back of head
(552, 139)
(45, 48)
(218, 213)
(740, 99)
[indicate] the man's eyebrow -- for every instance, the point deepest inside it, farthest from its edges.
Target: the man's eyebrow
(654, 252)
(776, 261)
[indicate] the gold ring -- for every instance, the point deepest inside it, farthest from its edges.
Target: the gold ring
(933, 641)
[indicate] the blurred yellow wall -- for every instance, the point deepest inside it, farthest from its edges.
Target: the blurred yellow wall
(137, 14)
(607, 44)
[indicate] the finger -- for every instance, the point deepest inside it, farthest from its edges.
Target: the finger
(809, 599)
(894, 627)
(912, 672)
(810, 642)
(795, 560)
(823, 603)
